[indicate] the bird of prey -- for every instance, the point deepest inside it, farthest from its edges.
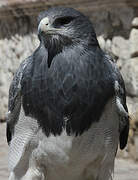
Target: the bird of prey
(67, 105)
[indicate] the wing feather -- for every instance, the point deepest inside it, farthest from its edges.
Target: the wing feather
(14, 103)
(120, 93)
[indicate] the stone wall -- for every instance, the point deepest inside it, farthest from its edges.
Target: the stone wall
(12, 52)
(116, 27)
(125, 52)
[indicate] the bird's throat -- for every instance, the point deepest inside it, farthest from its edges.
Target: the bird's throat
(55, 46)
(52, 52)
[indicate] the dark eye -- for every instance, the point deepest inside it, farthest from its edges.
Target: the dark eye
(63, 21)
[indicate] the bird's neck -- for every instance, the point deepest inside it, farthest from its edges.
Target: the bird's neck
(54, 46)
(57, 44)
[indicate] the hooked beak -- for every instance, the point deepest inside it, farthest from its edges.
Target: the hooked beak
(46, 27)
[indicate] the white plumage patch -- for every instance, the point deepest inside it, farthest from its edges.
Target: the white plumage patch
(17, 149)
(89, 156)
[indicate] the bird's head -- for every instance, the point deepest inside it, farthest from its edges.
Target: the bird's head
(64, 26)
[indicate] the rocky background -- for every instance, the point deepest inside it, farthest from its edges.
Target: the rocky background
(116, 24)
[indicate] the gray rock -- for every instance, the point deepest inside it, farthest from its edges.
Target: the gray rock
(125, 17)
(108, 45)
(101, 41)
(135, 22)
(120, 47)
(134, 42)
(130, 75)
(12, 52)
(132, 104)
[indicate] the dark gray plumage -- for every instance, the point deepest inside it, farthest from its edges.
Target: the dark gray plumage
(65, 85)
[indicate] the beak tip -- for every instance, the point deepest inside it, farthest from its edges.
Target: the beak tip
(42, 25)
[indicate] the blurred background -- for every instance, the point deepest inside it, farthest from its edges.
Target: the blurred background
(116, 25)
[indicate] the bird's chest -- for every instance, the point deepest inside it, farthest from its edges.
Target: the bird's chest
(67, 82)
(81, 157)
(69, 157)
